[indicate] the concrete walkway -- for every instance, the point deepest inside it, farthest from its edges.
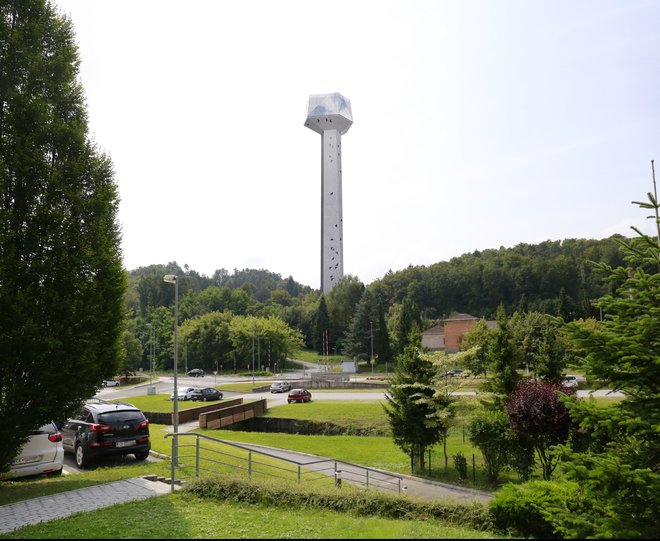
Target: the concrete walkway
(64, 504)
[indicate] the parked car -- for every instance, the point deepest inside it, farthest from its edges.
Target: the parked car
(195, 373)
(207, 393)
(42, 454)
(110, 383)
(280, 387)
(184, 393)
(570, 381)
(299, 395)
(454, 372)
(105, 428)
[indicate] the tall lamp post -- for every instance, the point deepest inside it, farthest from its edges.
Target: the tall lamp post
(371, 326)
(173, 279)
(151, 358)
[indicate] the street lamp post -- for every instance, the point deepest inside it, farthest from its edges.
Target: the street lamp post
(151, 358)
(371, 326)
(252, 351)
(173, 279)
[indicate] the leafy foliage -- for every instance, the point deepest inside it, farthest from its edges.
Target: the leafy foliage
(361, 503)
(460, 463)
(523, 510)
(489, 432)
(536, 410)
(61, 277)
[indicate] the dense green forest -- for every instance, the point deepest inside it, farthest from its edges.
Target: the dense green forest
(553, 277)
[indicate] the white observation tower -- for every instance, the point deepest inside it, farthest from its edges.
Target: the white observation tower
(330, 115)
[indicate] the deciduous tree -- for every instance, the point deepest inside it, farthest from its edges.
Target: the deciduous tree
(536, 411)
(61, 276)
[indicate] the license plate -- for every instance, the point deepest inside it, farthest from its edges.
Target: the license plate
(125, 443)
(27, 459)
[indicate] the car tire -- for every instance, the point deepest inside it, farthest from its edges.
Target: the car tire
(142, 455)
(81, 457)
(289, 401)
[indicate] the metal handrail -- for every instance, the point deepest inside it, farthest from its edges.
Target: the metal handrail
(372, 476)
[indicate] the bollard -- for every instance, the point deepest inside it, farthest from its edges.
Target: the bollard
(338, 478)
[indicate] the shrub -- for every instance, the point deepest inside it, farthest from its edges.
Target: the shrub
(460, 463)
(354, 500)
(522, 510)
(489, 432)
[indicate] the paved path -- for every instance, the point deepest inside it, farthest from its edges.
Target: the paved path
(64, 504)
(415, 486)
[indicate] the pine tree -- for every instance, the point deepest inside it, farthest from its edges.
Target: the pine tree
(61, 276)
(321, 326)
(619, 474)
(411, 406)
(502, 356)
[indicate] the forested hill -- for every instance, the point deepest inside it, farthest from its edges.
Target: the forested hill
(551, 277)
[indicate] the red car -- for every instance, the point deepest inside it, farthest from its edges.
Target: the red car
(299, 395)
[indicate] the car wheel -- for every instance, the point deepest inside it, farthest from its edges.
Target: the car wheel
(142, 455)
(81, 457)
(289, 401)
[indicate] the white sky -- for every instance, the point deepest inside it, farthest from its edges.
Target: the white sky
(477, 124)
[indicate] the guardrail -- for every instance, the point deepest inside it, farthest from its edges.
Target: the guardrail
(213, 455)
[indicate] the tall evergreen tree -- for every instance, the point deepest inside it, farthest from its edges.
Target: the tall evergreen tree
(342, 301)
(61, 276)
(411, 405)
(357, 340)
(502, 356)
(321, 326)
(408, 316)
(619, 475)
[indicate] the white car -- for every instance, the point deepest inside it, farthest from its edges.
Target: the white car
(42, 454)
(184, 393)
(570, 381)
(110, 383)
(280, 387)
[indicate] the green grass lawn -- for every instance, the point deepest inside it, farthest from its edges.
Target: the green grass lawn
(185, 516)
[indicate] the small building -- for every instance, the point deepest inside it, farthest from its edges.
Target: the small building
(455, 328)
(433, 339)
(448, 335)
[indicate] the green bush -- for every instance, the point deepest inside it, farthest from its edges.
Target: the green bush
(356, 501)
(489, 432)
(521, 510)
(461, 465)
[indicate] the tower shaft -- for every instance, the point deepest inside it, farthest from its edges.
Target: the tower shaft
(332, 250)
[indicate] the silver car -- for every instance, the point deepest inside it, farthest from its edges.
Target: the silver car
(184, 393)
(280, 387)
(42, 454)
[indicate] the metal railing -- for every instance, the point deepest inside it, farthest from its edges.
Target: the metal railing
(213, 455)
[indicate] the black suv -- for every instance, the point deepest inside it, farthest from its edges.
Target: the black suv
(105, 428)
(205, 394)
(196, 373)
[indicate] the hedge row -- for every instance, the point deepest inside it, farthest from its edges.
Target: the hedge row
(358, 502)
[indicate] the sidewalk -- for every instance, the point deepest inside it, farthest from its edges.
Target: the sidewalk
(64, 504)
